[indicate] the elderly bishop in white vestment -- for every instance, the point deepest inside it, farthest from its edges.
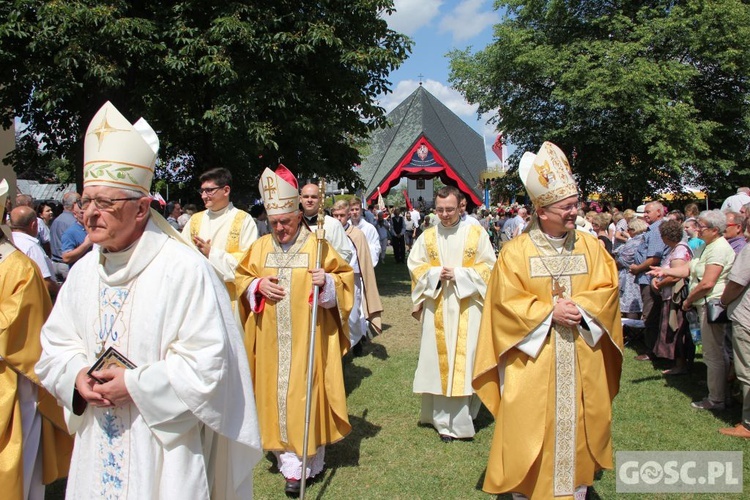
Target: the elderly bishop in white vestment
(184, 425)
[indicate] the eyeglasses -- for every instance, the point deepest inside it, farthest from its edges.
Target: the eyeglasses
(702, 227)
(209, 191)
(100, 202)
(446, 210)
(567, 208)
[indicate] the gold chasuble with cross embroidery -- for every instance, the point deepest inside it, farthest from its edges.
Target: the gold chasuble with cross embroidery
(24, 306)
(553, 411)
(277, 344)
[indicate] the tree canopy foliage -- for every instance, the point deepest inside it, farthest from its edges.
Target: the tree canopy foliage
(643, 96)
(238, 84)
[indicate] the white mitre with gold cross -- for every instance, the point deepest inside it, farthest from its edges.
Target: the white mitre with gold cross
(279, 191)
(547, 176)
(118, 154)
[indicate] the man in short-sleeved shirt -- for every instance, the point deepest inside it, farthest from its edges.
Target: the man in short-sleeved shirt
(24, 225)
(737, 296)
(74, 241)
(736, 201)
(649, 254)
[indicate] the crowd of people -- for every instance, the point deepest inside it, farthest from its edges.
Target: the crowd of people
(183, 344)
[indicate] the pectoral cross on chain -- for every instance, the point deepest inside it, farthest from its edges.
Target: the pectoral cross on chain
(557, 289)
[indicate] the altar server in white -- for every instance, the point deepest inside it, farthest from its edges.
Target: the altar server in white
(222, 232)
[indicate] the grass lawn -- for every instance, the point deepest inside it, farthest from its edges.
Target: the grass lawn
(388, 455)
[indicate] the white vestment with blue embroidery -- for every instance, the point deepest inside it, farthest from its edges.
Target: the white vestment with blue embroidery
(191, 431)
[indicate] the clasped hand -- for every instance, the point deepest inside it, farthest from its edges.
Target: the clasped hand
(447, 274)
(269, 287)
(113, 392)
(566, 313)
(204, 246)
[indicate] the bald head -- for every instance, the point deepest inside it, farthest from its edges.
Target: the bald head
(23, 219)
(310, 199)
(24, 200)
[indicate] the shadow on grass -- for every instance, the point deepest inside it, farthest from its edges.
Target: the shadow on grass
(354, 375)
(650, 378)
(346, 452)
(692, 384)
(393, 279)
(376, 350)
(480, 481)
(484, 419)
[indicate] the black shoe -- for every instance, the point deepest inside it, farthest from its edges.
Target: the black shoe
(357, 350)
(292, 487)
(446, 438)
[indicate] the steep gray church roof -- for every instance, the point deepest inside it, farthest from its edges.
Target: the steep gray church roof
(423, 115)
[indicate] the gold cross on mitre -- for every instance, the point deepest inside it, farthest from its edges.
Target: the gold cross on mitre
(104, 129)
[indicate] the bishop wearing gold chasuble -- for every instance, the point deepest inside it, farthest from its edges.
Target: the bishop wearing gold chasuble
(550, 349)
(275, 280)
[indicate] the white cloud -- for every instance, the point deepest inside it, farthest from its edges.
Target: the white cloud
(445, 94)
(468, 19)
(411, 15)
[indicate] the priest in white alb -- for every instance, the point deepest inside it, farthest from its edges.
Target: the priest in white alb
(141, 348)
(450, 265)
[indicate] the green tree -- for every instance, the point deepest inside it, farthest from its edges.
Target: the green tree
(642, 95)
(238, 84)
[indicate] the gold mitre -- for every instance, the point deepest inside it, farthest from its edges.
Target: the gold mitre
(118, 154)
(547, 176)
(279, 191)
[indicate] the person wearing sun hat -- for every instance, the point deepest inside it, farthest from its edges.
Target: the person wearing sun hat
(35, 447)
(275, 281)
(141, 348)
(550, 349)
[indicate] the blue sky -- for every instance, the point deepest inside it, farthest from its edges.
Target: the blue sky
(437, 27)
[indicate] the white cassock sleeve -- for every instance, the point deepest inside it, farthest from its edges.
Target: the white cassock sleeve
(468, 282)
(373, 240)
(336, 236)
(162, 410)
(532, 343)
(63, 353)
(428, 285)
(594, 331)
(224, 262)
